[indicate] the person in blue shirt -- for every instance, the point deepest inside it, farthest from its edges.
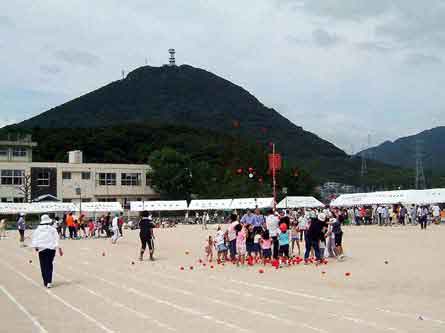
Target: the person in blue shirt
(283, 241)
(248, 218)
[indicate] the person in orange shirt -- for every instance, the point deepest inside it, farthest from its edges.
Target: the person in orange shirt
(71, 225)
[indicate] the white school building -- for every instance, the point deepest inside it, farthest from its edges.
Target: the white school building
(68, 182)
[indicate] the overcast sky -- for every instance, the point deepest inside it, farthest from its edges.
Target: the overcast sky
(339, 68)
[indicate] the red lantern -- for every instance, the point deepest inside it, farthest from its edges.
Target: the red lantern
(260, 179)
(239, 171)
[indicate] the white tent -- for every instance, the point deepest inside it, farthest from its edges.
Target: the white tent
(211, 204)
(100, 207)
(159, 206)
(300, 202)
(36, 207)
(251, 203)
(136, 206)
(417, 197)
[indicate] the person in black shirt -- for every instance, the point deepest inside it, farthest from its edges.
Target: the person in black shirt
(313, 236)
(146, 226)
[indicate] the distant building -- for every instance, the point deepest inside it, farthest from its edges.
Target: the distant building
(68, 182)
(330, 190)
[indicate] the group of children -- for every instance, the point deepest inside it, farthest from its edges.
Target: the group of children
(241, 241)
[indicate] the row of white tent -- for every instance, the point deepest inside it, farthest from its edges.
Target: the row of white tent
(406, 197)
(59, 207)
(224, 204)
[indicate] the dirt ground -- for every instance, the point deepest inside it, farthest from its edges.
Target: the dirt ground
(98, 288)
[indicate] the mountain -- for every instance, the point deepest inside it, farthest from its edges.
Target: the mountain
(402, 152)
(184, 95)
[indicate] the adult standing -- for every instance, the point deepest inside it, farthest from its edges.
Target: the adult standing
(422, 214)
(45, 240)
(71, 225)
(108, 224)
(402, 215)
(146, 226)
(272, 222)
(21, 227)
(248, 218)
(314, 235)
(258, 221)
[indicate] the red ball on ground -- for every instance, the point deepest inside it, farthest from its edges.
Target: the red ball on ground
(30, 261)
(103, 254)
(212, 267)
(347, 274)
(191, 268)
(181, 268)
(187, 252)
(261, 271)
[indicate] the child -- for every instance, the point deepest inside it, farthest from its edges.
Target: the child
(266, 245)
(295, 237)
(256, 245)
(220, 244)
(241, 245)
(283, 241)
(208, 249)
(250, 237)
(91, 228)
(98, 227)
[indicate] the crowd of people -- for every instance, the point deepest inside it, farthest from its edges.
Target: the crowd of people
(390, 215)
(275, 235)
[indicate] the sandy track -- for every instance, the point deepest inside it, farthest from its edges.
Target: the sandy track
(96, 293)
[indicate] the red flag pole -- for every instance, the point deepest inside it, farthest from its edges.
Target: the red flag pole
(274, 181)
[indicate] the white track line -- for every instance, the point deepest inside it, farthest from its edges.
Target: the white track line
(60, 299)
(230, 305)
(23, 309)
(117, 304)
(180, 308)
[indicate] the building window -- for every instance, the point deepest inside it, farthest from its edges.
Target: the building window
(107, 179)
(18, 200)
(66, 175)
(43, 178)
(19, 152)
(106, 200)
(86, 175)
(12, 177)
(4, 151)
(67, 200)
(131, 179)
(86, 200)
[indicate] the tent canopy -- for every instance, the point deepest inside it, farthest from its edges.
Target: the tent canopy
(300, 202)
(251, 203)
(211, 204)
(416, 197)
(100, 207)
(158, 206)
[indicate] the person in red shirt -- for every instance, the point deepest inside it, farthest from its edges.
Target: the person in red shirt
(121, 223)
(71, 225)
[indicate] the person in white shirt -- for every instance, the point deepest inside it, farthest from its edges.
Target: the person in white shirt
(272, 222)
(436, 214)
(115, 229)
(45, 240)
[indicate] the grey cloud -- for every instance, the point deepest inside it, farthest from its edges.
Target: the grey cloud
(75, 57)
(5, 21)
(375, 47)
(323, 38)
(50, 69)
(418, 59)
(345, 9)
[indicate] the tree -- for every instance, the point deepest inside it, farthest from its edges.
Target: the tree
(171, 174)
(25, 188)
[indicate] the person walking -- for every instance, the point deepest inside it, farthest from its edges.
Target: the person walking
(21, 227)
(313, 237)
(2, 228)
(146, 226)
(422, 214)
(121, 224)
(115, 229)
(45, 240)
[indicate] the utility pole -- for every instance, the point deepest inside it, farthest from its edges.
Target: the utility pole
(420, 175)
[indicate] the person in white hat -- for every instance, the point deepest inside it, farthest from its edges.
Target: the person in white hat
(45, 239)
